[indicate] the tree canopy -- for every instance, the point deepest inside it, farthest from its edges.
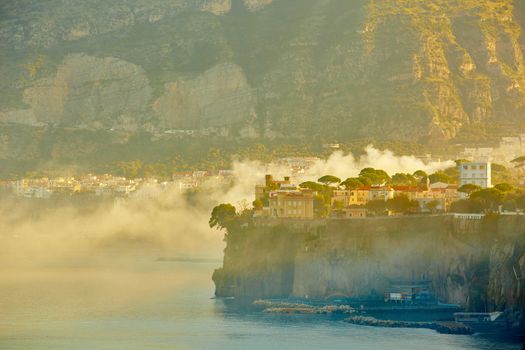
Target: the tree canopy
(468, 188)
(376, 206)
(375, 176)
(490, 198)
(504, 187)
(314, 186)
(404, 179)
(352, 183)
(222, 216)
(401, 204)
(329, 180)
(420, 174)
(440, 177)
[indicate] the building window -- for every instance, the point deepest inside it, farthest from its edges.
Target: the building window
(465, 167)
(481, 167)
(473, 167)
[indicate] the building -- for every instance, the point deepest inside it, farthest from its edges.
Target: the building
(341, 196)
(262, 191)
(359, 196)
(294, 204)
(508, 149)
(380, 192)
(476, 173)
(298, 165)
(411, 192)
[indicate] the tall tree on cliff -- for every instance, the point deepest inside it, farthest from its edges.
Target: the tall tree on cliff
(223, 216)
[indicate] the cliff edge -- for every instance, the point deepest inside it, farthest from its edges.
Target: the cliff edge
(476, 263)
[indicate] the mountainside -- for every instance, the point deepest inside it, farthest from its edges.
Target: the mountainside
(404, 70)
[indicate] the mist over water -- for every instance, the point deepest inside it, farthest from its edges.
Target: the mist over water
(86, 275)
(158, 220)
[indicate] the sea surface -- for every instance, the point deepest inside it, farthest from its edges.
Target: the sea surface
(148, 304)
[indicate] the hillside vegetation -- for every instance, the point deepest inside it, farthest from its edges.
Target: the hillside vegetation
(419, 71)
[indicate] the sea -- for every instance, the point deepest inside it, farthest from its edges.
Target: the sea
(145, 303)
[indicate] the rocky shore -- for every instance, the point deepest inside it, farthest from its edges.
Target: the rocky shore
(441, 327)
(298, 308)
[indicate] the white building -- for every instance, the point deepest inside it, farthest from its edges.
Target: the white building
(476, 173)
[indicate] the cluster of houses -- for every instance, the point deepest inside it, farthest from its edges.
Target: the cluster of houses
(44, 188)
(282, 199)
(109, 185)
(189, 180)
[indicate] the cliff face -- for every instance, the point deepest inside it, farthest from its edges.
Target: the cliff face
(398, 69)
(475, 263)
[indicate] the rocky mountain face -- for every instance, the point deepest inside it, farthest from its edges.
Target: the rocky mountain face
(403, 70)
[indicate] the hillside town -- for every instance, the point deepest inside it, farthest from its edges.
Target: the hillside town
(108, 185)
(375, 193)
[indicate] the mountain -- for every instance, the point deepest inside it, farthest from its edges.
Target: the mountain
(428, 71)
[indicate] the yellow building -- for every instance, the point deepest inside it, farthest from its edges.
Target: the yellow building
(380, 192)
(292, 204)
(359, 196)
(341, 196)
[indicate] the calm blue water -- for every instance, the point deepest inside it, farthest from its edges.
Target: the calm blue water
(154, 305)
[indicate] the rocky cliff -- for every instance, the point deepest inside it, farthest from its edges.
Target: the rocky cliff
(404, 70)
(479, 264)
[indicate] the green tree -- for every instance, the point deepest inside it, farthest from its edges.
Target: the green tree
(504, 187)
(432, 206)
(440, 177)
(321, 207)
(520, 201)
(420, 174)
(352, 183)
(257, 204)
(338, 205)
(490, 198)
(466, 206)
(376, 206)
(329, 180)
(468, 188)
(365, 180)
(403, 179)
(314, 186)
(399, 204)
(222, 216)
(375, 176)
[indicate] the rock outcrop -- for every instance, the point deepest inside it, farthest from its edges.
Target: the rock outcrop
(219, 97)
(430, 71)
(478, 264)
(88, 90)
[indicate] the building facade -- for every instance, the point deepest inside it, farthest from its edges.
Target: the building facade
(475, 173)
(292, 204)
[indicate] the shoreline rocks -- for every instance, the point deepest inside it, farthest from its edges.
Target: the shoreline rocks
(440, 327)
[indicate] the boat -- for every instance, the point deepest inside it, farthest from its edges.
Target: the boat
(481, 321)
